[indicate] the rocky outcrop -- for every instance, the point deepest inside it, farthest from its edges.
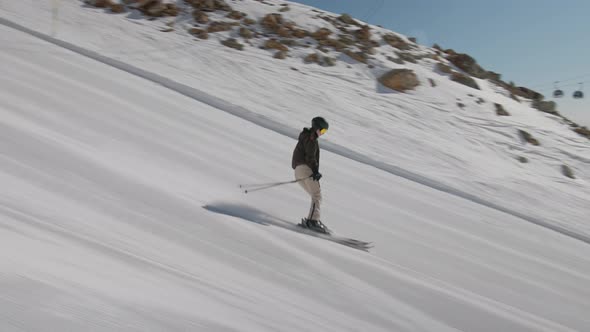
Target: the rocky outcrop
(99, 3)
(321, 34)
(272, 22)
(321, 60)
(156, 8)
(312, 58)
(273, 44)
(528, 137)
(397, 42)
(199, 33)
(465, 80)
(520, 91)
(467, 64)
(153, 8)
(545, 106)
(281, 55)
(443, 68)
(347, 19)
(248, 21)
(567, 171)
(500, 111)
(400, 80)
(275, 23)
(233, 43)
(236, 15)
(363, 35)
(219, 26)
(117, 8)
(334, 43)
(209, 5)
(200, 16)
(583, 131)
(358, 56)
(246, 33)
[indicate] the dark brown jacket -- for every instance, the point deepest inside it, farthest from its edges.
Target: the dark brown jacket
(307, 151)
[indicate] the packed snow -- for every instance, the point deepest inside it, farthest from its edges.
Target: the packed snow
(122, 149)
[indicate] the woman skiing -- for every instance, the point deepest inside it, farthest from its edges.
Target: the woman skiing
(306, 163)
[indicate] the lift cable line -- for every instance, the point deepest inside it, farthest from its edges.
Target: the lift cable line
(579, 93)
(373, 11)
(576, 78)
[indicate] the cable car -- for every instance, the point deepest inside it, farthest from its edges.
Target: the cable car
(557, 93)
(579, 94)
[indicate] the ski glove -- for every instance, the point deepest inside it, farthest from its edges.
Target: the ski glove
(316, 176)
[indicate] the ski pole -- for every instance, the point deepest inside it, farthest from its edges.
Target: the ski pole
(254, 185)
(263, 186)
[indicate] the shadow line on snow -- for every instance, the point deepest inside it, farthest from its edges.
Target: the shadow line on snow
(279, 128)
(240, 211)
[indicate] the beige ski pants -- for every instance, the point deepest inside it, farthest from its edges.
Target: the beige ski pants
(312, 188)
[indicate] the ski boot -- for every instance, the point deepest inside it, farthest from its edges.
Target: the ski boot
(314, 225)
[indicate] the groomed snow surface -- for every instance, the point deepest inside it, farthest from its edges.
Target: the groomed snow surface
(120, 208)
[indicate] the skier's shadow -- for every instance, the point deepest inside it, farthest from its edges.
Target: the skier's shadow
(246, 213)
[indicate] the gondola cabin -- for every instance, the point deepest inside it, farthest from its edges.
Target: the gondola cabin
(557, 93)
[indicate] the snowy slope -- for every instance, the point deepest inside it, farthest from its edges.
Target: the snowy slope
(469, 150)
(109, 182)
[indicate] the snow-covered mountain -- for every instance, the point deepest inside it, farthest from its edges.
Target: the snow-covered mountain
(124, 140)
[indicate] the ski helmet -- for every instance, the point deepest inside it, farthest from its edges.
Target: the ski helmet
(319, 123)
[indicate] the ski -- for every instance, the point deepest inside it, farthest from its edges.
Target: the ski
(349, 242)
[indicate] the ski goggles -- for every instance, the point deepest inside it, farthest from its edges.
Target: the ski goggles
(323, 131)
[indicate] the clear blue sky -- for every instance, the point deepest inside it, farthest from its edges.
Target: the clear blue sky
(530, 42)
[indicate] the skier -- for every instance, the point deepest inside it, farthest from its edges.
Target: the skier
(306, 163)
